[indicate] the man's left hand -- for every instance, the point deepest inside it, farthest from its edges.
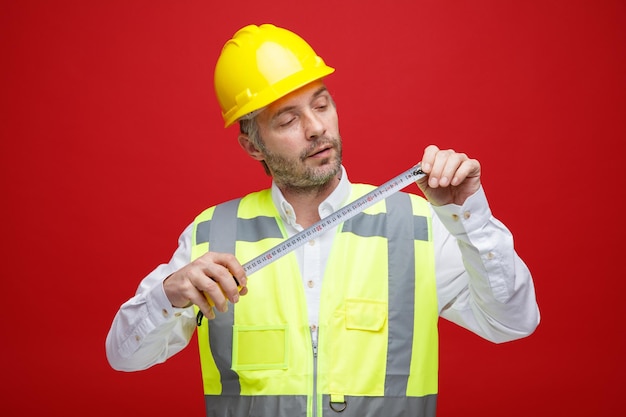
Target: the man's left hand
(451, 176)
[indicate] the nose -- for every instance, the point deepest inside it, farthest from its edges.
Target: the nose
(314, 126)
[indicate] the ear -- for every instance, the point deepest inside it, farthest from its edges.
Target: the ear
(249, 147)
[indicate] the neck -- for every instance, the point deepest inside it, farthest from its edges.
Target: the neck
(305, 201)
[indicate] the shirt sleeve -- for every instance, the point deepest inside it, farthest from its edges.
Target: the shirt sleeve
(147, 330)
(482, 283)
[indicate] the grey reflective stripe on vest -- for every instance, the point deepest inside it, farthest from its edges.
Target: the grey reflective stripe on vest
(401, 295)
(368, 225)
(295, 406)
(256, 405)
(384, 406)
(219, 232)
(401, 270)
(223, 224)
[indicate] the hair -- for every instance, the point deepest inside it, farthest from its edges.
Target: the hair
(249, 126)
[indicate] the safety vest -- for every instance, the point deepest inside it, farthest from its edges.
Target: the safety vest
(377, 350)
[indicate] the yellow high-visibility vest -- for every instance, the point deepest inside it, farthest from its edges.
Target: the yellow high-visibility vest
(377, 351)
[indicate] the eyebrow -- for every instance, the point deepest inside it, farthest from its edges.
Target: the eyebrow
(315, 95)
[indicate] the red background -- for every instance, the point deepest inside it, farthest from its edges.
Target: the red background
(111, 141)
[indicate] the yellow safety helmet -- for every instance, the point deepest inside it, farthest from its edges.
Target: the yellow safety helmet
(261, 64)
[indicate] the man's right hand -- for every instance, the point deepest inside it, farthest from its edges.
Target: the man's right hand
(211, 280)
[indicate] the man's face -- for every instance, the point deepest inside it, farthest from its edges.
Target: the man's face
(300, 135)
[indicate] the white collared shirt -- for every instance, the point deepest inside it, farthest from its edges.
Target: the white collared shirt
(313, 255)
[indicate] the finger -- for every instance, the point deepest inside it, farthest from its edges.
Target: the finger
(200, 288)
(205, 304)
(468, 168)
(441, 168)
(453, 169)
(213, 285)
(229, 274)
(214, 295)
(220, 265)
(428, 158)
(236, 270)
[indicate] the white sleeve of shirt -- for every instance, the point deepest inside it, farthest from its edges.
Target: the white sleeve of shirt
(147, 330)
(482, 283)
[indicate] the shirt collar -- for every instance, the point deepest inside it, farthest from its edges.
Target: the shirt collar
(333, 202)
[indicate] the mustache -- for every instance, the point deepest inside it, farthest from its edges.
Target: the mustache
(321, 143)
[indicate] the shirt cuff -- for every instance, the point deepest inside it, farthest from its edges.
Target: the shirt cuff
(465, 219)
(160, 309)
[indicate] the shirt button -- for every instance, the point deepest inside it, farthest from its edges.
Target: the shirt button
(165, 313)
(455, 217)
(310, 283)
(312, 242)
(313, 327)
(490, 256)
(178, 314)
(137, 338)
(467, 215)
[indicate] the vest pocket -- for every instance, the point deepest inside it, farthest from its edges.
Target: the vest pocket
(259, 347)
(369, 315)
(357, 348)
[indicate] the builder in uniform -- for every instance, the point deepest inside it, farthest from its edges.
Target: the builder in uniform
(347, 323)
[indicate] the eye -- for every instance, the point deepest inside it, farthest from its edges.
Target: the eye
(286, 122)
(321, 104)
(284, 119)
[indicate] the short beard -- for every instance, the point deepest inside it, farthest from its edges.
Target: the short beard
(290, 174)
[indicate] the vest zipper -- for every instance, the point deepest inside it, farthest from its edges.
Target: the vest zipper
(314, 344)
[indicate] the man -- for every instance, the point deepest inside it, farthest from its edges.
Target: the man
(347, 322)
